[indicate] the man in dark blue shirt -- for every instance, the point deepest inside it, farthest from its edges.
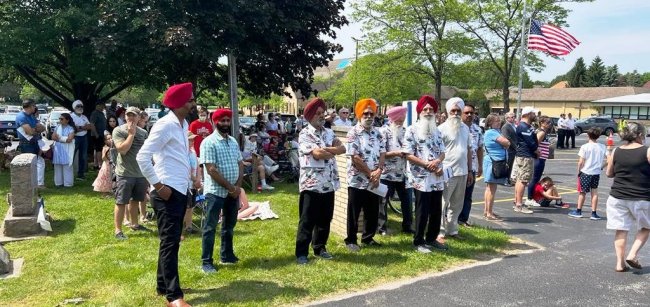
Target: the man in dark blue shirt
(29, 135)
(522, 170)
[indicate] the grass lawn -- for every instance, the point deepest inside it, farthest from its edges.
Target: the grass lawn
(81, 259)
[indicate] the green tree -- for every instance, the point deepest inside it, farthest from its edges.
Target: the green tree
(389, 78)
(138, 96)
(478, 99)
(578, 74)
(422, 29)
(92, 50)
(596, 72)
(645, 77)
(496, 25)
(632, 79)
(611, 76)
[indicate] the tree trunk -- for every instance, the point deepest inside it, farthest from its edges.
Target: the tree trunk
(506, 93)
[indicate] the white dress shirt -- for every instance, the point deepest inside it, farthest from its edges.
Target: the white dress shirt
(79, 121)
(167, 146)
(341, 122)
(570, 123)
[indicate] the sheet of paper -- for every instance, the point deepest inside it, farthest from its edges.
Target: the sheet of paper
(380, 190)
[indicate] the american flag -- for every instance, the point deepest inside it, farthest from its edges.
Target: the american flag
(550, 39)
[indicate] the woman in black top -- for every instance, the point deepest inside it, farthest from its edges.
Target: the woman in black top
(629, 201)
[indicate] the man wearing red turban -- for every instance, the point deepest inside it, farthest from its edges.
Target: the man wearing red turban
(318, 181)
(224, 171)
(163, 160)
(366, 151)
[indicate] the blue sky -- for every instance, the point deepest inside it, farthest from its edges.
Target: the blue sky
(616, 30)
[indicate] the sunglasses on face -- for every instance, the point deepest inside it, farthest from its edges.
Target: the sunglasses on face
(368, 114)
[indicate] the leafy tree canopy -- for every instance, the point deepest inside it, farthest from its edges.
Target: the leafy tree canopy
(92, 50)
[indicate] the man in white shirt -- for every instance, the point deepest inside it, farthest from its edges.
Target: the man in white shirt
(82, 125)
(163, 160)
(561, 131)
(344, 118)
(570, 131)
(458, 158)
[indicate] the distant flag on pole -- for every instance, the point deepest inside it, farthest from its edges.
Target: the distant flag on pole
(550, 39)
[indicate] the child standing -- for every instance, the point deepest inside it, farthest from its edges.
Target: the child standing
(592, 160)
(104, 183)
(545, 192)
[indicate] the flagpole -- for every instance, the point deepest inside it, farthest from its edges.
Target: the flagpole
(522, 59)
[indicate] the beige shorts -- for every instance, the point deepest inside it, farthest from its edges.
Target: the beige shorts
(622, 214)
(522, 169)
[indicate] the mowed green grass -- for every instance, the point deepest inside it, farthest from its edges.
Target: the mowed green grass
(81, 259)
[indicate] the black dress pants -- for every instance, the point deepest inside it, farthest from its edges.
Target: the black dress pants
(428, 212)
(406, 206)
(169, 215)
(571, 134)
(315, 211)
(367, 201)
(561, 134)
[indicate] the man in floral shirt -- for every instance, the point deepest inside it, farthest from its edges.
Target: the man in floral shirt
(425, 152)
(366, 150)
(393, 175)
(318, 181)
(477, 161)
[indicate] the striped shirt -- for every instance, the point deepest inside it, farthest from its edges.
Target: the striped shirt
(225, 155)
(543, 148)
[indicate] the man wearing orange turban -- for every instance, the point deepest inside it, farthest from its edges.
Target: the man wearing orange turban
(367, 151)
(318, 182)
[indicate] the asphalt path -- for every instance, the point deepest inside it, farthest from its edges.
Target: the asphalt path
(567, 261)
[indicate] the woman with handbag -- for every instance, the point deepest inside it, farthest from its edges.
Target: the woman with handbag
(495, 166)
(63, 157)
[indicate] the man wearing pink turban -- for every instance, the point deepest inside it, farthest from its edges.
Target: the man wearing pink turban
(393, 175)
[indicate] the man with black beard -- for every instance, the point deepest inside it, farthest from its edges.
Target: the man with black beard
(223, 172)
(367, 151)
(319, 180)
(425, 153)
(393, 175)
(458, 158)
(477, 161)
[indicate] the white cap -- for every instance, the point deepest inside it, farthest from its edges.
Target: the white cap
(527, 110)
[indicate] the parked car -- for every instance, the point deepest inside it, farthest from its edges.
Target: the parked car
(607, 125)
(13, 109)
(246, 123)
(481, 123)
(53, 121)
(8, 124)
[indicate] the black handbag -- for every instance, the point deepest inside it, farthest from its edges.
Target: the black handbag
(500, 169)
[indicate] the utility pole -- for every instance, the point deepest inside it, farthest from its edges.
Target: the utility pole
(356, 57)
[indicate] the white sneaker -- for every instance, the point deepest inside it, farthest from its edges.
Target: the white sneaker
(268, 188)
(531, 203)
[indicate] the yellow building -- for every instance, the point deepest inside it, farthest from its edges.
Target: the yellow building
(556, 101)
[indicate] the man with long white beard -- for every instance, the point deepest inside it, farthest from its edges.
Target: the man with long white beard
(458, 158)
(425, 153)
(367, 151)
(393, 175)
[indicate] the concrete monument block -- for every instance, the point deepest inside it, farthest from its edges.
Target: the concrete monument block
(24, 184)
(5, 262)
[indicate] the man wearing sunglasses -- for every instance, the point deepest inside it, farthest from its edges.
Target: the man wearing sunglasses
(367, 151)
(82, 125)
(344, 118)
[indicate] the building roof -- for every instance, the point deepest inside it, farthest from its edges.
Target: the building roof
(576, 93)
(333, 67)
(561, 84)
(628, 100)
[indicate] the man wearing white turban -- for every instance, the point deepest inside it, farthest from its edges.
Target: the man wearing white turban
(458, 158)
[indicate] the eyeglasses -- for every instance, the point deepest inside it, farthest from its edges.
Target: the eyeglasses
(345, 113)
(79, 107)
(368, 114)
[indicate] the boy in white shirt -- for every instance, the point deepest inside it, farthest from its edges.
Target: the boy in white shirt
(591, 163)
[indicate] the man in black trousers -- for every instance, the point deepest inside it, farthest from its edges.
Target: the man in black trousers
(561, 131)
(509, 132)
(366, 151)
(163, 160)
(319, 180)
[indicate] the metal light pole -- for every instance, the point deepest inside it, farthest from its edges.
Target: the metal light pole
(356, 57)
(234, 103)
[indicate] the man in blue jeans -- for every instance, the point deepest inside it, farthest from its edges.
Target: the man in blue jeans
(223, 172)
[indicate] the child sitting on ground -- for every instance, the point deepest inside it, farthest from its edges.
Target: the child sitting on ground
(545, 192)
(590, 164)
